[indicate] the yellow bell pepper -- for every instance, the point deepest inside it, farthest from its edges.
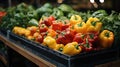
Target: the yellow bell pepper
(93, 25)
(106, 38)
(31, 38)
(27, 32)
(32, 27)
(59, 47)
(80, 27)
(18, 30)
(75, 19)
(50, 42)
(21, 31)
(72, 48)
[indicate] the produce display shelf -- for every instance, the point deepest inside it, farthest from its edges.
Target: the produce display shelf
(90, 58)
(61, 60)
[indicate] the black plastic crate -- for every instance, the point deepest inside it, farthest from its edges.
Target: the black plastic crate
(3, 31)
(82, 59)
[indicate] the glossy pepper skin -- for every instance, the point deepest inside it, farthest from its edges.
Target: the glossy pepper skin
(72, 48)
(50, 42)
(75, 19)
(93, 25)
(106, 38)
(80, 27)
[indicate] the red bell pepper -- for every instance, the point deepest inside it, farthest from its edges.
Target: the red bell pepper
(49, 21)
(61, 39)
(39, 38)
(65, 36)
(87, 45)
(44, 34)
(92, 37)
(65, 24)
(43, 28)
(69, 34)
(56, 26)
(79, 37)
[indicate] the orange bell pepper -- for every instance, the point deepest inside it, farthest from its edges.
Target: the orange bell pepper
(106, 38)
(51, 33)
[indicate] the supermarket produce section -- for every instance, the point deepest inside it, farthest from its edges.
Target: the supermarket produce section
(59, 36)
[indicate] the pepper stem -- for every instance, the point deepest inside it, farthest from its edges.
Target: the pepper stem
(60, 49)
(80, 24)
(93, 23)
(87, 43)
(77, 47)
(76, 17)
(107, 34)
(91, 36)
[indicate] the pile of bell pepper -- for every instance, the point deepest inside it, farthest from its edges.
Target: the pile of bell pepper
(71, 36)
(62, 28)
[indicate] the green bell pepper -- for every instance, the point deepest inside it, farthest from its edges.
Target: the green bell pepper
(46, 8)
(57, 13)
(65, 8)
(33, 22)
